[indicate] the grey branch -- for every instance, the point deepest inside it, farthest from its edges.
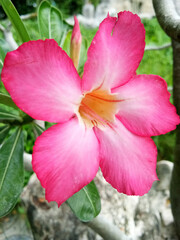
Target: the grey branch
(2, 29)
(153, 48)
(28, 16)
(8, 34)
(27, 162)
(106, 229)
(146, 15)
(40, 123)
(27, 156)
(9, 37)
(168, 17)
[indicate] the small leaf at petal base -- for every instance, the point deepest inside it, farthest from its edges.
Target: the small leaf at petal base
(7, 100)
(8, 115)
(11, 172)
(86, 204)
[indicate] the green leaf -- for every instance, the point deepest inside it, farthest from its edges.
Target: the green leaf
(11, 172)
(1, 65)
(2, 54)
(7, 100)
(58, 26)
(51, 24)
(3, 132)
(86, 203)
(5, 115)
(67, 41)
(15, 19)
(44, 19)
(2, 57)
(83, 55)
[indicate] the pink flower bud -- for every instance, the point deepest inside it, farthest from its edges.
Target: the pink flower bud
(76, 40)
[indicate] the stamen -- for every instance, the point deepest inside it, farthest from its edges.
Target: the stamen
(104, 99)
(93, 113)
(98, 108)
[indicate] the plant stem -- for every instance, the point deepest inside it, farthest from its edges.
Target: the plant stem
(106, 229)
(175, 181)
(168, 15)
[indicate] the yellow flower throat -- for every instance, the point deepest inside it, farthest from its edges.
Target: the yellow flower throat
(98, 108)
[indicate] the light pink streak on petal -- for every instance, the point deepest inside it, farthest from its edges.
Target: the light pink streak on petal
(115, 52)
(145, 109)
(42, 80)
(65, 159)
(127, 161)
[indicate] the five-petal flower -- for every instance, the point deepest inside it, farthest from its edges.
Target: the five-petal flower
(105, 119)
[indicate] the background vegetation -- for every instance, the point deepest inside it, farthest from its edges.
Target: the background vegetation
(68, 7)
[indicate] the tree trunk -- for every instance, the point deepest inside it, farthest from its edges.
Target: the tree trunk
(168, 15)
(175, 181)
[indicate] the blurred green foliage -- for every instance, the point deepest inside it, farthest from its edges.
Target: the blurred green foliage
(156, 62)
(22, 6)
(68, 7)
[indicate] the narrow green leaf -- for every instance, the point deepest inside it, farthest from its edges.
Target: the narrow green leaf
(1, 65)
(5, 115)
(38, 129)
(66, 44)
(11, 172)
(86, 203)
(3, 132)
(7, 100)
(51, 24)
(2, 54)
(15, 19)
(83, 55)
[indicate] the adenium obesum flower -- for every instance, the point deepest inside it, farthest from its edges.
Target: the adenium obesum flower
(105, 119)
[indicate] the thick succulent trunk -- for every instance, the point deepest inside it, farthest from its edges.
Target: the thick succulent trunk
(175, 181)
(168, 15)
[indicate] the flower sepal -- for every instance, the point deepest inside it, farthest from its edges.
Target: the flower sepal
(76, 40)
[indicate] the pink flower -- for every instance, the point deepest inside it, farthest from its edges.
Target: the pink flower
(106, 119)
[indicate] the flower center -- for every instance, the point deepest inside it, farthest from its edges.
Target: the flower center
(98, 108)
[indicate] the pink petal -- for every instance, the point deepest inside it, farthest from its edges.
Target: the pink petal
(115, 52)
(42, 80)
(127, 161)
(65, 159)
(145, 109)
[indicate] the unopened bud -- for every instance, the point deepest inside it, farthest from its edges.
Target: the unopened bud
(76, 40)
